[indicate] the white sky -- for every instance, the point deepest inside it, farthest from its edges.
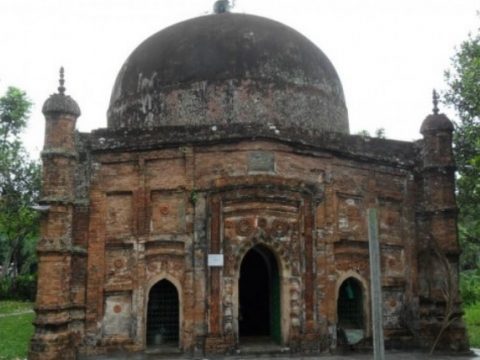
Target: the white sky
(389, 54)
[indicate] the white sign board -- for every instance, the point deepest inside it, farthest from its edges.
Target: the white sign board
(215, 260)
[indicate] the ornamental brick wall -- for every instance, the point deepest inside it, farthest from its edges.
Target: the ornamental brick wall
(157, 214)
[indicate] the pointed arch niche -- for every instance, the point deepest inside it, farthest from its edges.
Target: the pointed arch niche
(352, 309)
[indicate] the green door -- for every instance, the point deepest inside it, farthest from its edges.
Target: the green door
(275, 304)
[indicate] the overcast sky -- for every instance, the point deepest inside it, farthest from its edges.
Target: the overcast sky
(389, 54)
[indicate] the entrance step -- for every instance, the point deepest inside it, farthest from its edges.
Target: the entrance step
(165, 349)
(260, 346)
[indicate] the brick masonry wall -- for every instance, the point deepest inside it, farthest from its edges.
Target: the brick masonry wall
(153, 215)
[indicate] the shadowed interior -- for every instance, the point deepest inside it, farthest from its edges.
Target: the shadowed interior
(259, 312)
(162, 315)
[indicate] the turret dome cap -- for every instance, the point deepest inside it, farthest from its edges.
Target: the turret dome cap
(60, 103)
(436, 122)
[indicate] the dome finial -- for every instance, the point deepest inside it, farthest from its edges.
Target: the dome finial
(61, 88)
(436, 122)
(59, 103)
(435, 99)
(221, 6)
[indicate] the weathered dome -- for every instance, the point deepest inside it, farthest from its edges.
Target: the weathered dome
(61, 104)
(435, 123)
(227, 69)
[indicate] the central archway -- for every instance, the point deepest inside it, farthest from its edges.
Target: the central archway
(163, 314)
(259, 295)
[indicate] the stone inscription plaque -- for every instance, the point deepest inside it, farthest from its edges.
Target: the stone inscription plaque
(261, 161)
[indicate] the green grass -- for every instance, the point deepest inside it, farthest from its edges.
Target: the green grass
(472, 318)
(9, 307)
(15, 330)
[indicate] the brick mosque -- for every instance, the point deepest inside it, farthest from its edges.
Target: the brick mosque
(225, 205)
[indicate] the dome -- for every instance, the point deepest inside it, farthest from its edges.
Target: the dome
(435, 123)
(228, 69)
(61, 104)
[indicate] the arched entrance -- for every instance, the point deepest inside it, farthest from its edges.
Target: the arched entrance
(350, 313)
(259, 295)
(163, 314)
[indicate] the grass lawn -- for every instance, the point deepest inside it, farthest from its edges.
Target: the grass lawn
(15, 330)
(472, 318)
(8, 307)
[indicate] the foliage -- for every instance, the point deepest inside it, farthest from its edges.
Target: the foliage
(19, 187)
(470, 286)
(15, 330)
(463, 93)
(14, 111)
(193, 197)
(364, 133)
(472, 318)
(379, 133)
(21, 287)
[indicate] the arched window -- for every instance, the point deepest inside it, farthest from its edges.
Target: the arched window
(350, 305)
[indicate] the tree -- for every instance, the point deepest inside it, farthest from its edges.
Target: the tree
(19, 187)
(463, 94)
(379, 133)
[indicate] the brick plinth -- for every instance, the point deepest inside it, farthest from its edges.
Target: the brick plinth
(52, 346)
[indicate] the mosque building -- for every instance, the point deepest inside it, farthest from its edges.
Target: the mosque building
(225, 204)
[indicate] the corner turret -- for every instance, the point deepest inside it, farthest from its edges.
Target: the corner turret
(438, 164)
(437, 133)
(53, 337)
(438, 245)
